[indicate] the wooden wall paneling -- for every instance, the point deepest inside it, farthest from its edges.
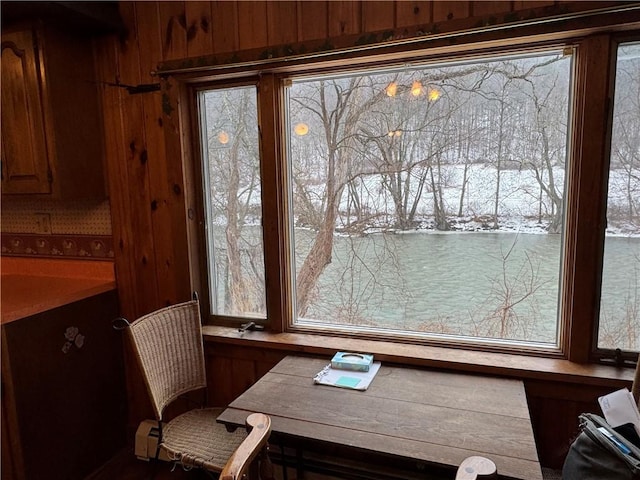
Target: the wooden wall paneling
(450, 10)
(118, 181)
(136, 157)
(220, 391)
(527, 4)
(312, 20)
(107, 49)
(199, 28)
(550, 419)
(379, 15)
(224, 16)
(344, 18)
(568, 392)
(227, 378)
(487, 7)
(243, 374)
(282, 21)
(231, 371)
(136, 277)
(173, 25)
(149, 39)
(554, 411)
(259, 355)
(252, 24)
(410, 13)
(166, 204)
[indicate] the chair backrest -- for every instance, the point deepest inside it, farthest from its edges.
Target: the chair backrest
(255, 443)
(168, 346)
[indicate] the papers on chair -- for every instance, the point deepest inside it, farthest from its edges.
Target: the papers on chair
(346, 378)
(619, 408)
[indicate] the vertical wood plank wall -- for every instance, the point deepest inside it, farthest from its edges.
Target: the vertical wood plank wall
(146, 181)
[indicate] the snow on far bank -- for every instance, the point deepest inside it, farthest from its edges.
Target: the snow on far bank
(522, 207)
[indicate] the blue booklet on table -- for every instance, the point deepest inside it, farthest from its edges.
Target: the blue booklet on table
(346, 378)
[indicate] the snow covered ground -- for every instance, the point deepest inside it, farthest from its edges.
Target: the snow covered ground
(521, 208)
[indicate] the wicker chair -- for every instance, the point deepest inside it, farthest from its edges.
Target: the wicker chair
(169, 349)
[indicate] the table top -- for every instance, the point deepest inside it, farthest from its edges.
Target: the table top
(432, 416)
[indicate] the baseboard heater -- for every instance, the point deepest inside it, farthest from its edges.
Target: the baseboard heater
(147, 436)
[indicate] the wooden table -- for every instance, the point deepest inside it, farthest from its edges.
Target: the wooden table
(435, 417)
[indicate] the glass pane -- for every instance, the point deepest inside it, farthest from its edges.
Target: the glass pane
(620, 298)
(230, 143)
(430, 199)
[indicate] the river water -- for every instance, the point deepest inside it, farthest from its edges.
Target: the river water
(459, 283)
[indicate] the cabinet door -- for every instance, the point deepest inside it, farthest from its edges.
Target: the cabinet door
(25, 167)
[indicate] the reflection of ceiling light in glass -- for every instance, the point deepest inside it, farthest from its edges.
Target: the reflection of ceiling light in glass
(394, 133)
(416, 88)
(434, 94)
(391, 89)
(301, 129)
(223, 137)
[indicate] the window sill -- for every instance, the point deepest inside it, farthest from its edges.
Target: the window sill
(501, 364)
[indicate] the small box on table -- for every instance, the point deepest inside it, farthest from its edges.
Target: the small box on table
(359, 362)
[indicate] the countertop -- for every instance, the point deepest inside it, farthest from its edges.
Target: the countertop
(30, 286)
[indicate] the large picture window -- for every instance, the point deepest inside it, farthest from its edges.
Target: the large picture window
(437, 199)
(429, 200)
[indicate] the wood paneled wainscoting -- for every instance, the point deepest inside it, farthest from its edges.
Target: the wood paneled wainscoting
(557, 390)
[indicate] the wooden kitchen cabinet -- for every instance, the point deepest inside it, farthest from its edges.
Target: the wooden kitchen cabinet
(51, 124)
(64, 404)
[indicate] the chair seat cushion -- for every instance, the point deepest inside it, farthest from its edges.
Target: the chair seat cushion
(196, 439)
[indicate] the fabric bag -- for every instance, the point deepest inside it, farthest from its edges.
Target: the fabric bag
(601, 453)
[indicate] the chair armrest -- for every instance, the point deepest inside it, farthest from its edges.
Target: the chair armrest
(259, 425)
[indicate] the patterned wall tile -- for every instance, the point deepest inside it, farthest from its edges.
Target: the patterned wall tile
(78, 217)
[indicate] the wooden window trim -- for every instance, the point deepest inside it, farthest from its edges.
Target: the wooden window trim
(586, 194)
(274, 204)
(513, 365)
(569, 21)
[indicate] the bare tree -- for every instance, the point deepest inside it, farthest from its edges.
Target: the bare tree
(550, 151)
(338, 105)
(235, 182)
(509, 291)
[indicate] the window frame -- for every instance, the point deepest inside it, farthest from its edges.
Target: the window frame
(586, 186)
(607, 355)
(468, 342)
(203, 169)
